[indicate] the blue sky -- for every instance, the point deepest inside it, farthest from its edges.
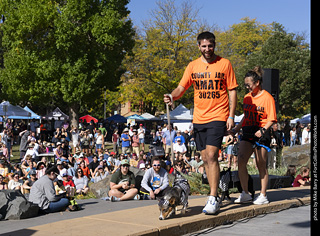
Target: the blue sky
(294, 15)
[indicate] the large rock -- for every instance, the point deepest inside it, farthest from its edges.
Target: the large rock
(101, 189)
(298, 155)
(14, 206)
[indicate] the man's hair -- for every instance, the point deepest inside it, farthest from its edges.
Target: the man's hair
(206, 35)
(155, 159)
(51, 168)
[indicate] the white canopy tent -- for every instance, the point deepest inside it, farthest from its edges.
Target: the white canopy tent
(180, 117)
(237, 119)
(148, 116)
(180, 113)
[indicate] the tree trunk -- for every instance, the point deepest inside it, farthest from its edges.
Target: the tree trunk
(73, 113)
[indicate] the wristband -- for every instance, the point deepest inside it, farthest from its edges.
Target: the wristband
(230, 117)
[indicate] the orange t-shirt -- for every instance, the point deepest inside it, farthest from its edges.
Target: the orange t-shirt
(259, 110)
(210, 82)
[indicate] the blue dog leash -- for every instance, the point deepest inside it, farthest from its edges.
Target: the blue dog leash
(261, 145)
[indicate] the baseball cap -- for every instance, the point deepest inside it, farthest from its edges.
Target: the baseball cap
(65, 174)
(125, 162)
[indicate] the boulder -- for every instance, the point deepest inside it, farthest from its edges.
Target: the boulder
(298, 155)
(101, 189)
(14, 206)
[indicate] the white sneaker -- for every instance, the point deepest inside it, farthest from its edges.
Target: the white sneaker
(243, 198)
(261, 199)
(137, 197)
(212, 206)
(114, 199)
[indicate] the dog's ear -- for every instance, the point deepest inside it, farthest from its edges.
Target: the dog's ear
(172, 201)
(161, 202)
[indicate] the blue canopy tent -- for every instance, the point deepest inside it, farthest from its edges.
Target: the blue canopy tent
(117, 119)
(6, 109)
(33, 115)
(136, 117)
(306, 119)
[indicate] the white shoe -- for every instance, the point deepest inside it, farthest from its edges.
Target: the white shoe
(261, 199)
(212, 206)
(137, 197)
(114, 199)
(243, 198)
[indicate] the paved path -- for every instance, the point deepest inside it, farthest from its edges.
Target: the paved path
(293, 221)
(141, 217)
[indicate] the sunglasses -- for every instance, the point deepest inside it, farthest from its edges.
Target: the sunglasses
(125, 166)
(156, 165)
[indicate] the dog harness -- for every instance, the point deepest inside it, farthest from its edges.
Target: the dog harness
(184, 186)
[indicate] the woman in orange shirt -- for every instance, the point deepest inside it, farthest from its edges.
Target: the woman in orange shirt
(259, 115)
(85, 169)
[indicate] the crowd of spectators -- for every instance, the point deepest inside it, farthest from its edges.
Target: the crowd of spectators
(78, 156)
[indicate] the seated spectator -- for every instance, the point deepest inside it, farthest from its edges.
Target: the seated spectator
(178, 168)
(186, 160)
(155, 181)
(100, 174)
(197, 164)
(179, 136)
(58, 152)
(30, 166)
(122, 184)
(3, 185)
(31, 151)
(93, 165)
(4, 171)
(142, 166)
(81, 182)
(61, 168)
(303, 179)
(85, 169)
(43, 193)
(134, 160)
(291, 171)
(29, 182)
(58, 187)
(68, 185)
(41, 169)
(179, 147)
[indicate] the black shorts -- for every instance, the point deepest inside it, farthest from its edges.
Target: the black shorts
(209, 134)
(248, 135)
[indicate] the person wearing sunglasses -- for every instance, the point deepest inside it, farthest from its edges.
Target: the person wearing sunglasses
(155, 181)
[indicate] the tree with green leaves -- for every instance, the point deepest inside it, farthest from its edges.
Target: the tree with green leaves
(164, 47)
(63, 51)
(288, 53)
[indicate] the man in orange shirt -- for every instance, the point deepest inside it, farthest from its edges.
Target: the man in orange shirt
(212, 77)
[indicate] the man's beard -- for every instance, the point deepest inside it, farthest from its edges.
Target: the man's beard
(208, 56)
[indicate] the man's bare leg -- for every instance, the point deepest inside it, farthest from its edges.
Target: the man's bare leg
(211, 165)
